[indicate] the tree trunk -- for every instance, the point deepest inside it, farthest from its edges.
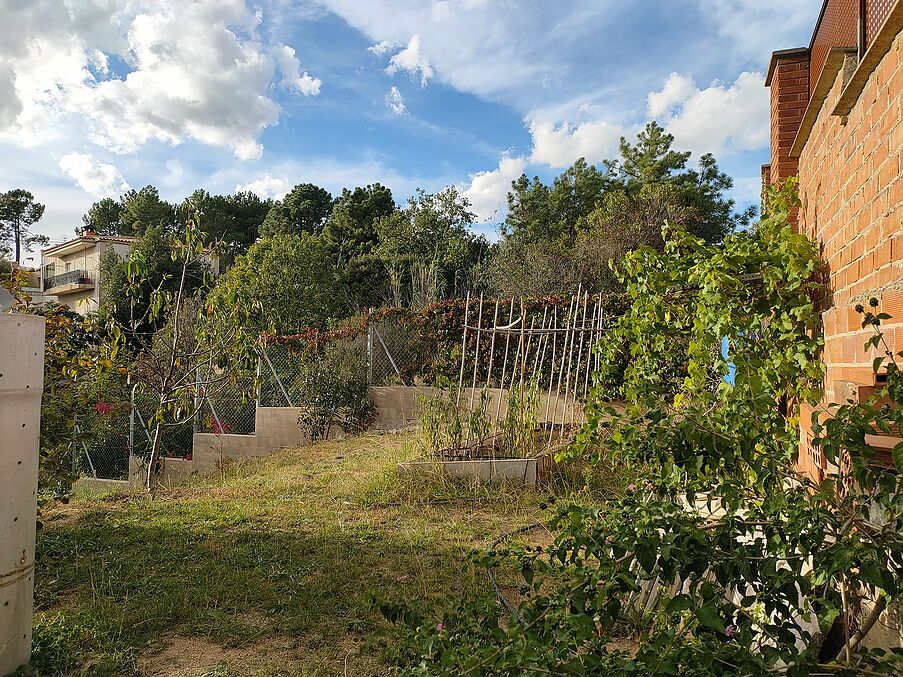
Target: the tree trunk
(154, 455)
(18, 234)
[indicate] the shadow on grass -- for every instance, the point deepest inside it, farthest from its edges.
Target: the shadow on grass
(112, 584)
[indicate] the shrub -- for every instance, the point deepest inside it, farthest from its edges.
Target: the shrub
(331, 389)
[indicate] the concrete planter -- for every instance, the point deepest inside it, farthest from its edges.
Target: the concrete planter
(523, 471)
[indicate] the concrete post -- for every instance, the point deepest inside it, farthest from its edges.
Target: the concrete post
(21, 384)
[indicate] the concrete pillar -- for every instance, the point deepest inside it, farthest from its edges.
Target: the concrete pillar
(21, 384)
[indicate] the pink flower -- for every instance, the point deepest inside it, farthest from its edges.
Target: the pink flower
(730, 629)
(439, 626)
(631, 487)
(103, 408)
(649, 486)
(219, 427)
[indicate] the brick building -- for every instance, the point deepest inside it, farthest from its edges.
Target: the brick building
(837, 123)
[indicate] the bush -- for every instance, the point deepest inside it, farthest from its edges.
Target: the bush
(332, 389)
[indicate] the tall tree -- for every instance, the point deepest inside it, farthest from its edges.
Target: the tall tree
(104, 217)
(234, 221)
(652, 161)
(540, 212)
(143, 209)
(161, 268)
(285, 284)
(18, 213)
(557, 236)
(351, 227)
(304, 210)
(429, 249)
(352, 237)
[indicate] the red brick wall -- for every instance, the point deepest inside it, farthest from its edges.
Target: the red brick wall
(851, 187)
(789, 98)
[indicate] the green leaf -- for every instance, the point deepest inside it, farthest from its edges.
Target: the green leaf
(710, 617)
(679, 603)
(898, 457)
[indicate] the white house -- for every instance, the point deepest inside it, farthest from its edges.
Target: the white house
(70, 271)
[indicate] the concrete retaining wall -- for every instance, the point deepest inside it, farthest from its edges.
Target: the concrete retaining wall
(395, 407)
(21, 385)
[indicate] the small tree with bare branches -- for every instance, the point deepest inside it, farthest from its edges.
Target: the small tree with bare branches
(190, 345)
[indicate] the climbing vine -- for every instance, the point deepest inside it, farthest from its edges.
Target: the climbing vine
(717, 557)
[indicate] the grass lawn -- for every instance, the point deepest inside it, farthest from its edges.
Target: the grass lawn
(265, 568)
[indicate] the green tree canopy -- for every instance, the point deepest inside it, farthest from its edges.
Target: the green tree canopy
(234, 220)
(286, 283)
(540, 212)
(104, 217)
(144, 209)
(351, 228)
(155, 250)
(304, 210)
(18, 213)
(651, 161)
(561, 235)
(428, 247)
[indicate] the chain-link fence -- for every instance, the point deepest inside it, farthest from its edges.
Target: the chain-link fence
(396, 353)
(103, 437)
(387, 352)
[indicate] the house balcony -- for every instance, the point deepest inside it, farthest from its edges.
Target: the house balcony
(68, 282)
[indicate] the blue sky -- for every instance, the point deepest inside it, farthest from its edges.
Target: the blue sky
(100, 95)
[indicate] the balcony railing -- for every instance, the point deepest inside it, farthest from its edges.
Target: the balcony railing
(80, 277)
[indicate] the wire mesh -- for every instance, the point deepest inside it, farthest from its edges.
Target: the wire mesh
(231, 410)
(100, 443)
(396, 353)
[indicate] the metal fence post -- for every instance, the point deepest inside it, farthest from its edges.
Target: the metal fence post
(370, 330)
(132, 424)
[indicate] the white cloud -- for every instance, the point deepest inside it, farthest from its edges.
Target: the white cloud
(381, 48)
(269, 187)
(292, 78)
(755, 28)
(196, 71)
(560, 145)
(488, 191)
(100, 179)
(718, 119)
(494, 49)
(677, 89)
(411, 60)
(395, 102)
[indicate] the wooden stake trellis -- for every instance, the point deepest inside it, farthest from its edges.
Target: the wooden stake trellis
(555, 358)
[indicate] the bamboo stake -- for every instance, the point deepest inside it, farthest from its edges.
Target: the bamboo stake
(589, 350)
(545, 312)
(570, 359)
(476, 355)
(498, 406)
(463, 351)
(541, 353)
(561, 370)
(554, 322)
(495, 321)
(573, 416)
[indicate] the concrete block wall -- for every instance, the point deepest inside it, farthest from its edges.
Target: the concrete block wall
(396, 407)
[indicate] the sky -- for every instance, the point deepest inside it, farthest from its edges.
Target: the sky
(99, 96)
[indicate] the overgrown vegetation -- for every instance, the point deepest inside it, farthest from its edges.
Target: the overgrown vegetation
(332, 390)
(762, 571)
(269, 567)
